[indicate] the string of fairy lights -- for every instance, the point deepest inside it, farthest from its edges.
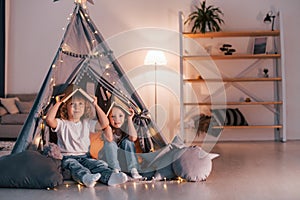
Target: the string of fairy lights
(56, 66)
(66, 50)
(148, 184)
(90, 56)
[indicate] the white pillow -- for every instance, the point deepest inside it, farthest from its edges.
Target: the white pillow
(10, 104)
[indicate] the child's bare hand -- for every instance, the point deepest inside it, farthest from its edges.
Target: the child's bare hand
(131, 113)
(95, 102)
(59, 97)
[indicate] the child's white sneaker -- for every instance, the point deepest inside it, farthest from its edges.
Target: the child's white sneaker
(90, 180)
(117, 179)
(135, 174)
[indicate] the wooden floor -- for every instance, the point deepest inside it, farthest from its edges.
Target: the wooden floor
(244, 170)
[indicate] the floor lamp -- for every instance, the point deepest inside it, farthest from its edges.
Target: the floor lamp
(156, 58)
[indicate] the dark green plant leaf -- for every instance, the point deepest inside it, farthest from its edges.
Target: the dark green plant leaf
(205, 17)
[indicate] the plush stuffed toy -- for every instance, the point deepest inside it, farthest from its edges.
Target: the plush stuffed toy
(194, 164)
(177, 160)
(53, 151)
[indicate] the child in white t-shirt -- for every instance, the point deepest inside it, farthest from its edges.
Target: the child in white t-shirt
(73, 129)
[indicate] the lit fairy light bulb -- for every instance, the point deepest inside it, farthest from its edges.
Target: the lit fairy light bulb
(79, 187)
(42, 126)
(96, 32)
(165, 186)
(53, 66)
(107, 66)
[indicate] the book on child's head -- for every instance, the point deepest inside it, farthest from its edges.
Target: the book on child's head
(74, 89)
(116, 102)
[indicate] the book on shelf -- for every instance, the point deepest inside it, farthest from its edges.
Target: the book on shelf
(118, 103)
(72, 90)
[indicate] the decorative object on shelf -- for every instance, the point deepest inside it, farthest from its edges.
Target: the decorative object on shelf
(260, 45)
(247, 99)
(201, 122)
(266, 75)
(226, 49)
(229, 117)
(270, 18)
(205, 18)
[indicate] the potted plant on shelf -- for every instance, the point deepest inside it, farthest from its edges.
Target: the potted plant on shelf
(205, 18)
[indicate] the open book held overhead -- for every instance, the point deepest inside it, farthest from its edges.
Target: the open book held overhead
(73, 89)
(118, 103)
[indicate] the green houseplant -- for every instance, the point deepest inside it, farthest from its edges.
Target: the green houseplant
(205, 18)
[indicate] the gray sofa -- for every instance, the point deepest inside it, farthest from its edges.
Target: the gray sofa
(11, 123)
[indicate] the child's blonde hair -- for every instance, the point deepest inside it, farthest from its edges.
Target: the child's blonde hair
(63, 112)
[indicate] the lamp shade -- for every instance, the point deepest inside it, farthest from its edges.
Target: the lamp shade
(155, 57)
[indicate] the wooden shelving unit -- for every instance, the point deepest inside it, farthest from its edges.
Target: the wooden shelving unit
(234, 56)
(277, 105)
(249, 33)
(243, 79)
(249, 127)
(235, 103)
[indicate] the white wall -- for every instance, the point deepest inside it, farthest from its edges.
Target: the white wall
(36, 29)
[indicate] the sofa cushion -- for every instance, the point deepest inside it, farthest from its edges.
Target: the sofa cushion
(10, 104)
(23, 97)
(14, 119)
(24, 106)
(3, 111)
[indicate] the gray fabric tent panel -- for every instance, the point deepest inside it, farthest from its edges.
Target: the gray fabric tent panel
(83, 56)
